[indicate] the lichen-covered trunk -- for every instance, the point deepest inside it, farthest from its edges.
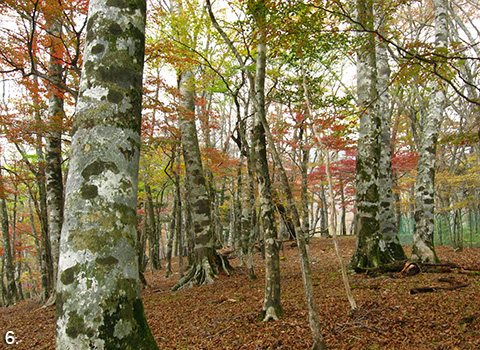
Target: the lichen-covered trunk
(204, 267)
(272, 307)
(370, 248)
(98, 290)
(387, 217)
(423, 245)
(53, 148)
(11, 295)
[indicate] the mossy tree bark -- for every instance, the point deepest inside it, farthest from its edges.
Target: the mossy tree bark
(370, 248)
(423, 249)
(99, 304)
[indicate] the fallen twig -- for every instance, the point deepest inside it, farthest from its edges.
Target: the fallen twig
(433, 289)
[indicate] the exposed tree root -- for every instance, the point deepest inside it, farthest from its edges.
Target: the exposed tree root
(51, 301)
(271, 314)
(204, 272)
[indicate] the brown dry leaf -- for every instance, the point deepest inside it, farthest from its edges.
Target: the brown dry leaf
(203, 318)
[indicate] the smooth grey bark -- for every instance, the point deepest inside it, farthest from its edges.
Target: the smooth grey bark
(387, 217)
(370, 250)
(53, 149)
(423, 249)
(11, 295)
(99, 305)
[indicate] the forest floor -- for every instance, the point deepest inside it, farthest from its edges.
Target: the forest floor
(224, 315)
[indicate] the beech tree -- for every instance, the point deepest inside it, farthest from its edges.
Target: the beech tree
(387, 215)
(370, 250)
(423, 246)
(11, 296)
(53, 149)
(207, 262)
(98, 289)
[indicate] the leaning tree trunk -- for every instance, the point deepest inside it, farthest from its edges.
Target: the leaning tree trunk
(387, 217)
(370, 248)
(98, 289)
(423, 245)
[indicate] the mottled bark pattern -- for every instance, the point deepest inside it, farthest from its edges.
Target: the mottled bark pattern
(423, 246)
(388, 223)
(98, 291)
(271, 306)
(197, 193)
(53, 149)
(370, 249)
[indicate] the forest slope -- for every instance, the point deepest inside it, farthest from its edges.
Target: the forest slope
(223, 315)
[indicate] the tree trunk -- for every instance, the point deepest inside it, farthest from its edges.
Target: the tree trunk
(370, 249)
(206, 260)
(153, 232)
(11, 296)
(171, 235)
(423, 249)
(98, 289)
(323, 211)
(387, 217)
(272, 307)
(53, 149)
(178, 224)
(343, 215)
(305, 160)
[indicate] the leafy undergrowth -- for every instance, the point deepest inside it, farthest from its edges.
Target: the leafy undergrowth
(224, 315)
